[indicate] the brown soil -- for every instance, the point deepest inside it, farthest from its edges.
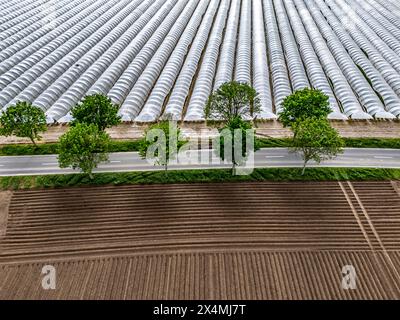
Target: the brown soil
(5, 198)
(204, 241)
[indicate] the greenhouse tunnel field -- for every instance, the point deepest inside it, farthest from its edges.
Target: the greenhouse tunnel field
(165, 57)
(235, 202)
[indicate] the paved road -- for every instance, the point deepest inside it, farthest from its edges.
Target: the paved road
(265, 158)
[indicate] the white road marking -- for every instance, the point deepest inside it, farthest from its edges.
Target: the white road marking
(381, 157)
(274, 157)
(115, 161)
(50, 163)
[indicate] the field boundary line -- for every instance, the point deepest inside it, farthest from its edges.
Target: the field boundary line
(355, 213)
(376, 234)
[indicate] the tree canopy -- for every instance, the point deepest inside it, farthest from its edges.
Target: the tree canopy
(161, 143)
(304, 104)
(234, 136)
(96, 109)
(316, 140)
(83, 146)
(23, 120)
(232, 100)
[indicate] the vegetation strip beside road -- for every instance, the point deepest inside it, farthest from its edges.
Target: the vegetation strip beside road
(133, 146)
(52, 148)
(197, 176)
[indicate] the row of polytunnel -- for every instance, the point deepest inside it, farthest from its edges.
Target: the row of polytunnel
(165, 57)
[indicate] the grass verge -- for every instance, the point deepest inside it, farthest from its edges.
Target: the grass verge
(383, 143)
(198, 176)
(52, 148)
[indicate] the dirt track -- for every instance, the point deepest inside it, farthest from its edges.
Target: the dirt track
(5, 198)
(206, 241)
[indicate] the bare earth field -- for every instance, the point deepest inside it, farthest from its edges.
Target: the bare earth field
(348, 129)
(204, 241)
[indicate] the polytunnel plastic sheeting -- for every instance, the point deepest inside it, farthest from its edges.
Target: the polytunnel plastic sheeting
(126, 48)
(52, 55)
(243, 51)
(101, 28)
(84, 54)
(9, 6)
(152, 109)
(368, 41)
(22, 25)
(139, 93)
(227, 56)
(395, 4)
(382, 39)
(62, 84)
(129, 76)
(297, 72)
(162, 86)
(351, 32)
(367, 96)
(13, 16)
(203, 85)
(384, 79)
(386, 30)
(390, 7)
(342, 88)
(134, 50)
(181, 89)
(36, 40)
(261, 79)
(82, 42)
(136, 36)
(280, 79)
(36, 49)
(34, 52)
(65, 119)
(315, 71)
(389, 15)
(13, 5)
(385, 18)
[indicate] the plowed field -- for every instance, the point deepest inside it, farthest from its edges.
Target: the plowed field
(203, 241)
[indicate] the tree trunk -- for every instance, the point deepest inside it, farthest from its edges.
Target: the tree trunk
(33, 141)
(304, 168)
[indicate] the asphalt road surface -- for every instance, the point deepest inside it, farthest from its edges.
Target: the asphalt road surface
(265, 158)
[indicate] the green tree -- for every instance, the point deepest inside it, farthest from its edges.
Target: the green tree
(96, 109)
(23, 120)
(161, 143)
(232, 100)
(304, 104)
(316, 140)
(234, 136)
(83, 146)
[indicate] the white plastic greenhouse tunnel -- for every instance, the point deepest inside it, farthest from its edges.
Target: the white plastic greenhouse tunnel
(165, 57)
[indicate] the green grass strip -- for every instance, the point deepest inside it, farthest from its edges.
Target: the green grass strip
(52, 148)
(198, 176)
(374, 143)
(133, 145)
